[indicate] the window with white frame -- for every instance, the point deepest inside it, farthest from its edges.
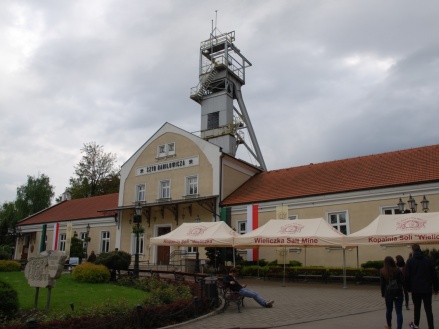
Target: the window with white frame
(192, 250)
(62, 242)
(339, 221)
(133, 243)
(170, 149)
(105, 241)
(192, 185)
(83, 236)
(165, 189)
(241, 226)
(292, 217)
(140, 192)
(390, 210)
(167, 149)
(161, 150)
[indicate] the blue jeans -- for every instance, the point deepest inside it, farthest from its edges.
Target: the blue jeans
(253, 294)
(398, 309)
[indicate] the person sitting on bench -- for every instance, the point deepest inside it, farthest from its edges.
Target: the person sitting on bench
(234, 285)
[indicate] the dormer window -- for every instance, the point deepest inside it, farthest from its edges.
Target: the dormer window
(166, 150)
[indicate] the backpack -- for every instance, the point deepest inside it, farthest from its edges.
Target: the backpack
(393, 288)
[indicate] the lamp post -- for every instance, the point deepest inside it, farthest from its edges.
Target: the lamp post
(137, 221)
(413, 206)
(197, 255)
(87, 239)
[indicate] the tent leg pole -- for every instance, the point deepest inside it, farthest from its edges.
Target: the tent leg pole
(283, 281)
(344, 268)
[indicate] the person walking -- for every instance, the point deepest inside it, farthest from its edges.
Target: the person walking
(392, 280)
(234, 285)
(422, 281)
(400, 262)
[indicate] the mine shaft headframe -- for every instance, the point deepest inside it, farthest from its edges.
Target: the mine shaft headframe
(219, 51)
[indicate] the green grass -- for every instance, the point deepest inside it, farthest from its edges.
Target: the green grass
(66, 291)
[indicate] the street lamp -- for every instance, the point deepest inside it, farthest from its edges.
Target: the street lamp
(87, 239)
(197, 255)
(137, 221)
(413, 206)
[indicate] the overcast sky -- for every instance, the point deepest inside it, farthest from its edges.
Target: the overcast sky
(330, 79)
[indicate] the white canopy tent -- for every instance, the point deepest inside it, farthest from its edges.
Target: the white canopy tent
(315, 232)
(421, 228)
(203, 234)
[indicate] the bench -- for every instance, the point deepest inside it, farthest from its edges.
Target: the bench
(178, 276)
(155, 274)
(369, 276)
(278, 273)
(230, 296)
(336, 275)
(307, 275)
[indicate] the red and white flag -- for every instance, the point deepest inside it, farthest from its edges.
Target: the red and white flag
(252, 224)
(55, 236)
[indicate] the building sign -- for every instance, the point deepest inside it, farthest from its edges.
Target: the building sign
(42, 271)
(168, 165)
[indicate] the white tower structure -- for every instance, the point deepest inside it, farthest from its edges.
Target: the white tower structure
(222, 74)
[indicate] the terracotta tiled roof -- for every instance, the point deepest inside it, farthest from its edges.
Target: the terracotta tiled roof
(417, 165)
(75, 209)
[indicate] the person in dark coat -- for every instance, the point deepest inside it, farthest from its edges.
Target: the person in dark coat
(234, 285)
(92, 257)
(388, 273)
(400, 262)
(422, 281)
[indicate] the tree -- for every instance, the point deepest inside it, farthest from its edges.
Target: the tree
(218, 256)
(8, 219)
(115, 261)
(96, 173)
(33, 196)
(76, 247)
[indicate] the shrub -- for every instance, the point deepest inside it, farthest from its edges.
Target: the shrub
(8, 301)
(295, 263)
(9, 266)
(115, 260)
(127, 281)
(261, 262)
(377, 264)
(168, 294)
(91, 273)
(251, 270)
(5, 252)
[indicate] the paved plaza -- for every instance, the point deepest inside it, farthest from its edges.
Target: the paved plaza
(309, 305)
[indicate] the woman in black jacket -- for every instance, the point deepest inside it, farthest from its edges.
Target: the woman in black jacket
(401, 264)
(390, 274)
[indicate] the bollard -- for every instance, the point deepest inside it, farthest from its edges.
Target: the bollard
(32, 323)
(201, 293)
(139, 316)
(195, 302)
